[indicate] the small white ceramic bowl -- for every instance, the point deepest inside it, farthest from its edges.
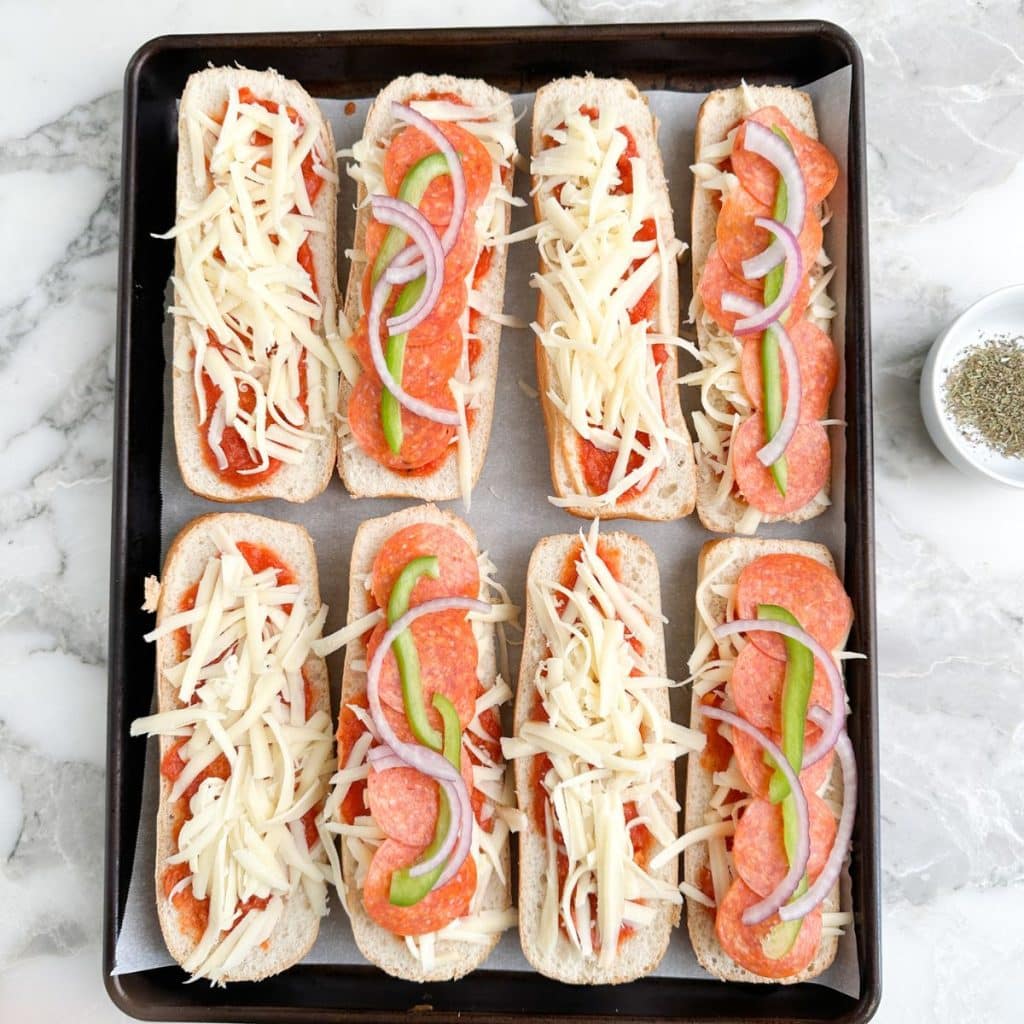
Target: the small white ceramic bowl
(1001, 313)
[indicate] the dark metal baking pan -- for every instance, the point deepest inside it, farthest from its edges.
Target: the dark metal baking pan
(691, 57)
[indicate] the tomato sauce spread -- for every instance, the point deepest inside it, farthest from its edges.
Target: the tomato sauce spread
(641, 836)
(597, 465)
(234, 447)
(193, 913)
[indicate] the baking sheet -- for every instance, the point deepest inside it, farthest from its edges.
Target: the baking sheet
(509, 511)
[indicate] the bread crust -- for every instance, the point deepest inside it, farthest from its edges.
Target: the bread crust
(362, 475)
(379, 946)
(640, 952)
(672, 494)
(725, 559)
(207, 91)
(719, 112)
(186, 558)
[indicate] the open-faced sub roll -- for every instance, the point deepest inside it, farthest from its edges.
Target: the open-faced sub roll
(421, 776)
(763, 857)
(608, 305)
(255, 380)
(246, 747)
(434, 168)
(761, 306)
(594, 751)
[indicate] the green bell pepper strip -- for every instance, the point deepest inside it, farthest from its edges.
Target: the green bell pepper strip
(411, 191)
(771, 374)
(405, 890)
(796, 694)
(394, 356)
(404, 649)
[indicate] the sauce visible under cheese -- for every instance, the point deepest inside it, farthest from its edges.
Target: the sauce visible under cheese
(602, 282)
(248, 757)
(245, 282)
(601, 755)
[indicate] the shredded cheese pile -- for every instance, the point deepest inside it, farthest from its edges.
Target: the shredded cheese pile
(724, 401)
(238, 277)
(245, 836)
(604, 379)
(489, 850)
(494, 126)
(608, 746)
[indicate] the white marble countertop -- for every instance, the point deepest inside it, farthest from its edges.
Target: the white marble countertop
(945, 83)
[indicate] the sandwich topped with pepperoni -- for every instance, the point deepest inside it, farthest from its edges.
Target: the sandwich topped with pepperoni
(762, 309)
(771, 801)
(426, 288)
(420, 800)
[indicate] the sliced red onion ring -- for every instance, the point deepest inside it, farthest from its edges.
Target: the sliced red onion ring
(760, 139)
(844, 831)
(836, 721)
(763, 909)
(462, 810)
(423, 759)
(791, 278)
(412, 117)
(415, 405)
(404, 216)
(776, 447)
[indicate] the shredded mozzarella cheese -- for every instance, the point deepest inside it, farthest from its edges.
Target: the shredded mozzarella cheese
(243, 838)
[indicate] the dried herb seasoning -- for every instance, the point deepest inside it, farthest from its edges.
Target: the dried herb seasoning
(984, 394)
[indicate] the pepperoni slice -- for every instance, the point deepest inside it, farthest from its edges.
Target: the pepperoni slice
(809, 459)
(404, 802)
(744, 942)
(426, 369)
(410, 145)
(759, 850)
(808, 590)
(423, 440)
(739, 238)
(819, 368)
(449, 307)
(447, 654)
(758, 775)
(760, 178)
(433, 912)
(459, 573)
(756, 687)
(717, 279)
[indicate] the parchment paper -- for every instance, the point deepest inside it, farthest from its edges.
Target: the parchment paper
(510, 512)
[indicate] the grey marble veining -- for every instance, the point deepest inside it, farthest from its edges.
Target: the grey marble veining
(945, 94)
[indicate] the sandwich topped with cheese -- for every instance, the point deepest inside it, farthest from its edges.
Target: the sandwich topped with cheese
(255, 379)
(246, 748)
(594, 749)
(608, 309)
